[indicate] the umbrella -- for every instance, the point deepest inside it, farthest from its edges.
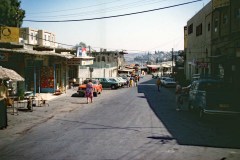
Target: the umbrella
(7, 74)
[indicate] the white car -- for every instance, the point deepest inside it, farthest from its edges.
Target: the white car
(163, 78)
(115, 79)
(169, 82)
(122, 80)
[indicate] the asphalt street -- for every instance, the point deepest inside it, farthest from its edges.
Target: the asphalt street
(127, 123)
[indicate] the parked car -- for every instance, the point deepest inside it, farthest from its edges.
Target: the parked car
(168, 82)
(115, 79)
(163, 78)
(107, 83)
(122, 80)
(209, 96)
(155, 75)
(97, 87)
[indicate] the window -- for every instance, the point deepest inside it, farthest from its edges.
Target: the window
(225, 19)
(103, 58)
(216, 25)
(199, 30)
(209, 26)
(190, 29)
(36, 37)
(237, 13)
(98, 58)
(31, 36)
(45, 37)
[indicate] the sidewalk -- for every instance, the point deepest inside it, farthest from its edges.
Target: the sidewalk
(20, 123)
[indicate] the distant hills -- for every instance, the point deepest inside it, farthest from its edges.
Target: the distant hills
(143, 58)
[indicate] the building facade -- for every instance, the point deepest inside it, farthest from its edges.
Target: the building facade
(226, 40)
(198, 42)
(212, 39)
(38, 37)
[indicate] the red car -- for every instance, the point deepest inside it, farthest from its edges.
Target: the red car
(97, 87)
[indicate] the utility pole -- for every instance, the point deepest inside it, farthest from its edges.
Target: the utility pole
(89, 47)
(172, 61)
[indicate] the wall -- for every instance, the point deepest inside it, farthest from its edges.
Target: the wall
(199, 44)
(97, 73)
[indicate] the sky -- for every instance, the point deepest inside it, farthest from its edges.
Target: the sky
(159, 30)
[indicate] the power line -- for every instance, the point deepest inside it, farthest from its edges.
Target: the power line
(120, 15)
(69, 45)
(110, 9)
(73, 8)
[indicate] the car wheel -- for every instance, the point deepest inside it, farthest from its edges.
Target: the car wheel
(113, 87)
(190, 107)
(95, 94)
(201, 113)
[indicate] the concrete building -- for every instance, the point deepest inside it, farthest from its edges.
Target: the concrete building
(226, 40)
(198, 42)
(212, 42)
(105, 64)
(38, 37)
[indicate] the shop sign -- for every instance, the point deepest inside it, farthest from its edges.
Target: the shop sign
(87, 62)
(4, 57)
(74, 61)
(220, 3)
(202, 64)
(9, 34)
(79, 61)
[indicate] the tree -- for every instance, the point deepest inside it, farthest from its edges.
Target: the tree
(81, 44)
(11, 13)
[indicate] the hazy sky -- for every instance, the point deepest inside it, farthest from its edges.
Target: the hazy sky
(158, 30)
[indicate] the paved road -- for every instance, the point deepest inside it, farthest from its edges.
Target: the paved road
(128, 123)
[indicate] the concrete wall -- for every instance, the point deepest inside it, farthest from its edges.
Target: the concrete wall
(199, 45)
(97, 73)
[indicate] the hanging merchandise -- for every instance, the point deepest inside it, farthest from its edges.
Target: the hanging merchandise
(47, 78)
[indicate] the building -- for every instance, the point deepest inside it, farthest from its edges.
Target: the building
(33, 54)
(105, 64)
(43, 71)
(212, 41)
(38, 37)
(198, 42)
(226, 40)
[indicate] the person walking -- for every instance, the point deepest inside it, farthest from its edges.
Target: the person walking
(178, 92)
(89, 91)
(131, 82)
(136, 80)
(158, 84)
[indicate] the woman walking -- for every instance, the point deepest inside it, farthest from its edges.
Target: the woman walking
(89, 90)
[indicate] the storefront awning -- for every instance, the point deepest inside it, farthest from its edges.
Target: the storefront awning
(153, 66)
(33, 52)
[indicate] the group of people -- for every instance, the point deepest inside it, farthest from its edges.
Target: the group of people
(133, 80)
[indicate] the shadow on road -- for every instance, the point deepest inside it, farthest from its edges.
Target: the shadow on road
(184, 126)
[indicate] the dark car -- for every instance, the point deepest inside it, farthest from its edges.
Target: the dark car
(107, 83)
(210, 96)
